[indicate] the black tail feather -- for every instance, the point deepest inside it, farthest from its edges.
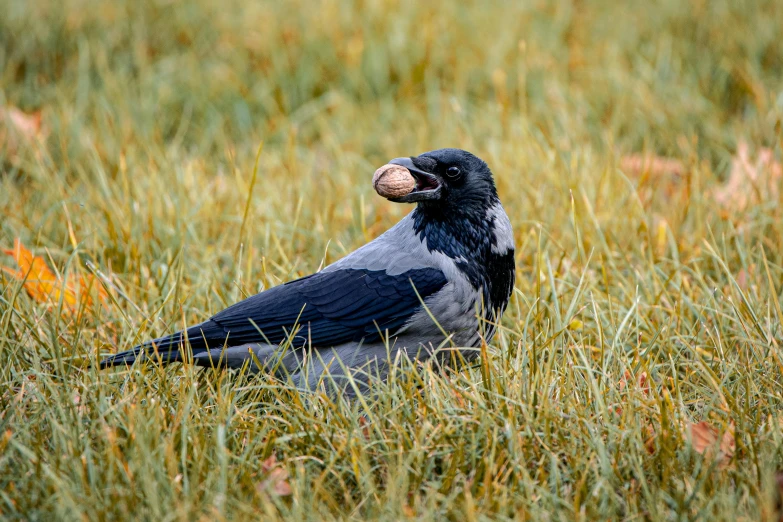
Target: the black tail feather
(126, 358)
(165, 350)
(172, 348)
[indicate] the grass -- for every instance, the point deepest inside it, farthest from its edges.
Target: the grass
(155, 112)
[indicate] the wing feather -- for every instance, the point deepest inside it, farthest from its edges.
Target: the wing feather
(331, 307)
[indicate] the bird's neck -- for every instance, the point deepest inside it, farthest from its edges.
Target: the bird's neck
(466, 235)
(478, 245)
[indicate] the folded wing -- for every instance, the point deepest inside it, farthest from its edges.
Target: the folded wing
(325, 309)
(330, 307)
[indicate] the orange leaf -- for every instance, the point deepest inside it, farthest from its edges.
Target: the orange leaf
(704, 439)
(90, 283)
(703, 436)
(39, 281)
(44, 286)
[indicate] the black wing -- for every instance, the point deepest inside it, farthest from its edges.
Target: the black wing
(328, 308)
(332, 307)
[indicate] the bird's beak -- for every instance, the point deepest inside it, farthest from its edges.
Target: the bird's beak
(428, 186)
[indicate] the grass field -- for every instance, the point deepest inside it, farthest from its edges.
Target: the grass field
(647, 302)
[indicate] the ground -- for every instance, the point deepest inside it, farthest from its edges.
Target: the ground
(638, 374)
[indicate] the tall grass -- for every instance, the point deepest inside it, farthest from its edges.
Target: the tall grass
(155, 112)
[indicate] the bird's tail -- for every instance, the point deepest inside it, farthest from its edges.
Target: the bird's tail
(165, 350)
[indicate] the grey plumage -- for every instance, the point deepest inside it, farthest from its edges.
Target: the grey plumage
(451, 259)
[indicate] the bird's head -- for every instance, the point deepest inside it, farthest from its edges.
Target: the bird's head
(451, 180)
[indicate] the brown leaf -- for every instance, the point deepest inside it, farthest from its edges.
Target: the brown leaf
(642, 381)
(276, 480)
(749, 177)
(704, 439)
(655, 165)
(655, 173)
(16, 127)
(703, 436)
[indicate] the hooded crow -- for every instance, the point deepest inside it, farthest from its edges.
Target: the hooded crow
(440, 278)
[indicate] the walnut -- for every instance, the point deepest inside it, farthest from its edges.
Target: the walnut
(393, 181)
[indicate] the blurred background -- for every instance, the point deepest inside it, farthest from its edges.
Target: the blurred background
(218, 74)
(210, 74)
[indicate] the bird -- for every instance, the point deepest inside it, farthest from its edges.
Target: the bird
(434, 284)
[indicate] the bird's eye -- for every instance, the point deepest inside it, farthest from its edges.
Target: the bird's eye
(453, 172)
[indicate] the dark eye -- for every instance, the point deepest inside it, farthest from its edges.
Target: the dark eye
(453, 172)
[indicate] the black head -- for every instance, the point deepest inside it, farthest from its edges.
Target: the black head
(451, 180)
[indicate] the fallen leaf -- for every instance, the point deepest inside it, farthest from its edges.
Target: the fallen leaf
(654, 174)
(642, 381)
(17, 127)
(44, 286)
(648, 163)
(704, 439)
(703, 436)
(27, 124)
(39, 281)
(276, 480)
(750, 177)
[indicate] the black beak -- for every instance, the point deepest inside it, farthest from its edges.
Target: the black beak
(428, 186)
